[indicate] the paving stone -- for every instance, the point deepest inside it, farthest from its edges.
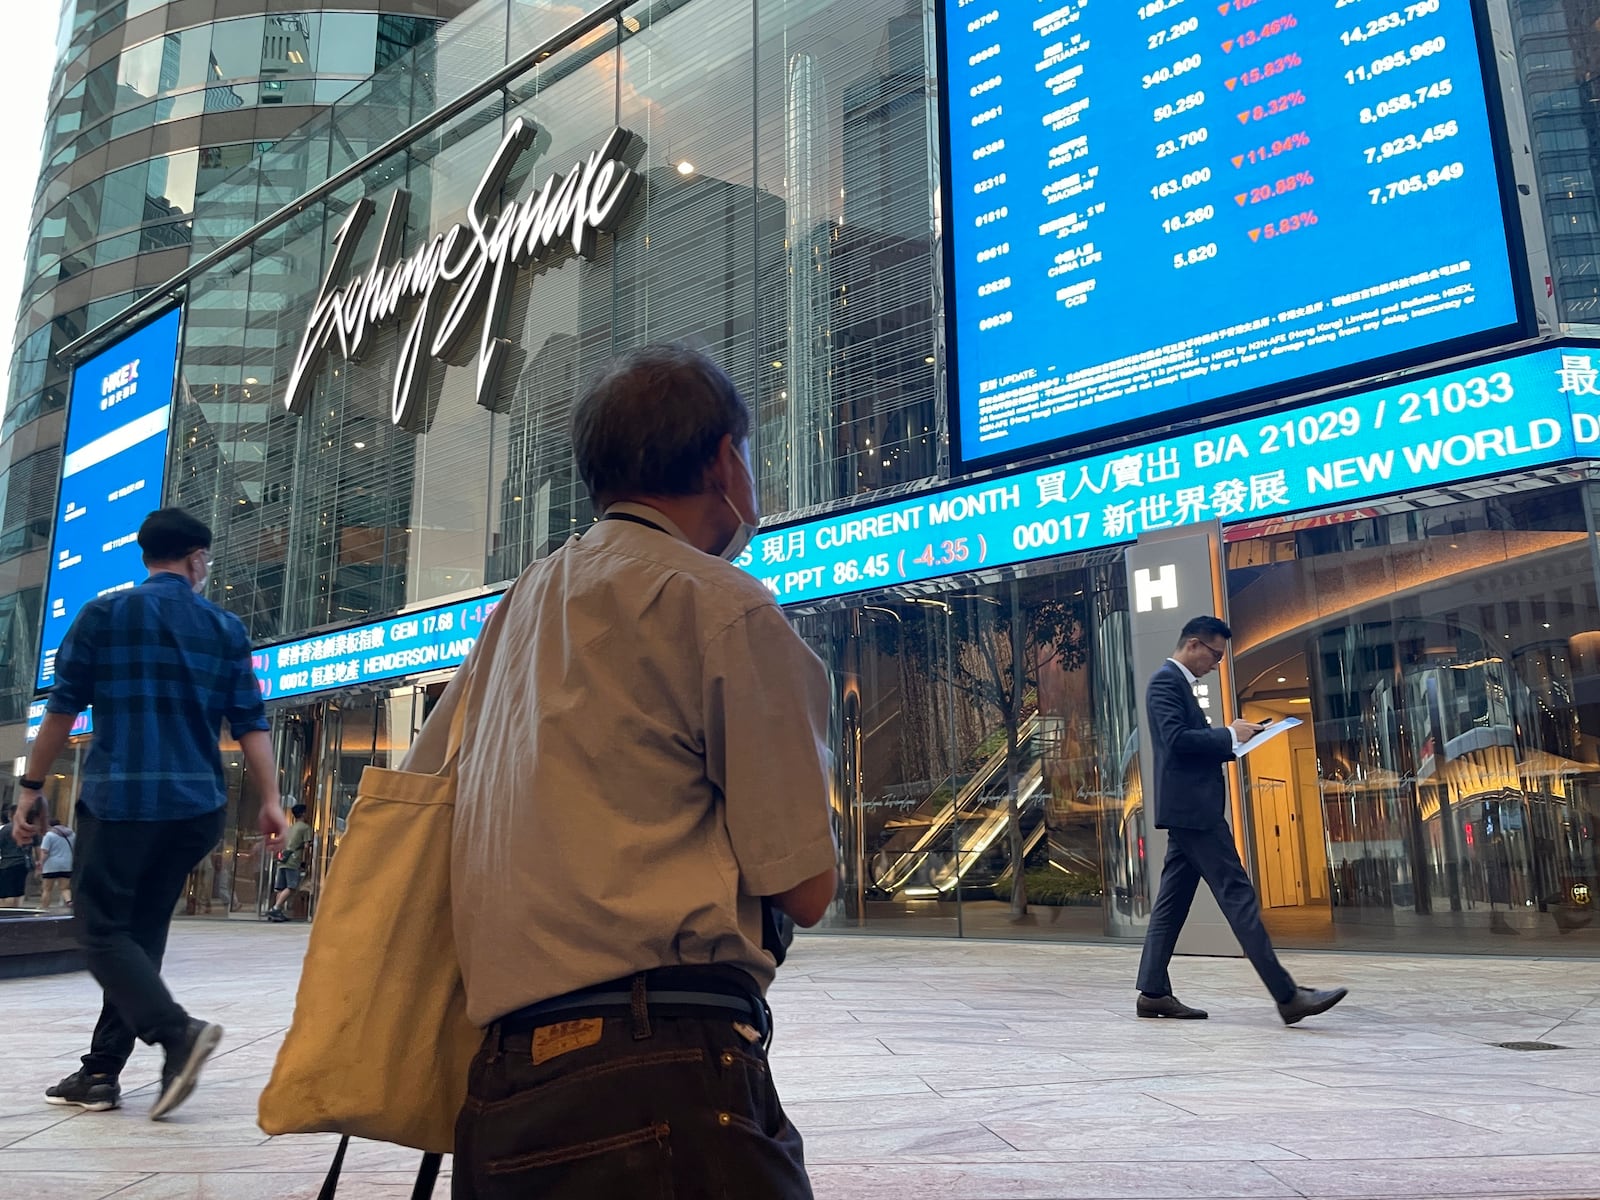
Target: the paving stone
(941, 1070)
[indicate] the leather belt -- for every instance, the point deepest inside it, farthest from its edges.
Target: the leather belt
(634, 996)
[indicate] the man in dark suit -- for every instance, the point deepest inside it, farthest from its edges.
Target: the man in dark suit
(1189, 797)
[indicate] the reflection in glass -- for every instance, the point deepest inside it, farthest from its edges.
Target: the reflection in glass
(980, 728)
(1449, 776)
(348, 45)
(236, 49)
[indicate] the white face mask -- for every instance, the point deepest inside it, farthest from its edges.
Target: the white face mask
(202, 576)
(741, 538)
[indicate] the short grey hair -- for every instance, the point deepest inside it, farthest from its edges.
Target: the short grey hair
(651, 424)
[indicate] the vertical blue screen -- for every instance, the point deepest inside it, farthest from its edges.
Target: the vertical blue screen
(113, 468)
(1155, 206)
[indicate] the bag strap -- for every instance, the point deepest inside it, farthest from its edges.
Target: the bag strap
(427, 1174)
(330, 1185)
(438, 744)
(468, 676)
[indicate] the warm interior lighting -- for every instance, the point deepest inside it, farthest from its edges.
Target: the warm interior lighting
(686, 168)
(251, 379)
(361, 445)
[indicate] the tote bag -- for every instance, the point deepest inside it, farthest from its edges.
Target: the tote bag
(380, 1044)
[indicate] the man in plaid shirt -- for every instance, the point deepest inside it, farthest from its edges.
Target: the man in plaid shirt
(162, 668)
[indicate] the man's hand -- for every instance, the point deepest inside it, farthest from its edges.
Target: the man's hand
(1245, 730)
(273, 824)
(28, 823)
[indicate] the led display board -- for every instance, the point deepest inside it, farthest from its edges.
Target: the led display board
(113, 470)
(1489, 417)
(82, 725)
(1159, 207)
(413, 643)
(1493, 417)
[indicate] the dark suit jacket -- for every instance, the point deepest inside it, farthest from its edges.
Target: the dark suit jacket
(1189, 790)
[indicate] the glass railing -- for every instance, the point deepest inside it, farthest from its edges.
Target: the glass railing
(948, 839)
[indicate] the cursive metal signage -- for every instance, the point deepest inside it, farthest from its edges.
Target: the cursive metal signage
(460, 275)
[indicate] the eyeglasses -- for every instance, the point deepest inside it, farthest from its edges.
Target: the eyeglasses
(1216, 653)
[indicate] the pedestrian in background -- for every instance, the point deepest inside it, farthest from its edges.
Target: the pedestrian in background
(643, 793)
(55, 866)
(16, 863)
(1190, 797)
(291, 864)
(163, 668)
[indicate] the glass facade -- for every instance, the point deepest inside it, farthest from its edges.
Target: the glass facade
(300, 59)
(153, 103)
(1440, 794)
(1558, 56)
(1441, 650)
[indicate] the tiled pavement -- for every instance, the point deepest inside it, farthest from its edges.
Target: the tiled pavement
(931, 1070)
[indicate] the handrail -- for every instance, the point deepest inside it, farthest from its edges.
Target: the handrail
(906, 862)
(520, 65)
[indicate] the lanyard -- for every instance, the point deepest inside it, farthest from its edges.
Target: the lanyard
(633, 520)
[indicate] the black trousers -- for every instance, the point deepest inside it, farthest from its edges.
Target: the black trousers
(127, 879)
(619, 1108)
(1209, 854)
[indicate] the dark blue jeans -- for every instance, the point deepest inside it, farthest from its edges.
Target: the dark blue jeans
(685, 1110)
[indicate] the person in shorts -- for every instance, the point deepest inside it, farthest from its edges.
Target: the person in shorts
(291, 865)
(55, 866)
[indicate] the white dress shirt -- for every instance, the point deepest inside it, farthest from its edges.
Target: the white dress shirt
(1193, 681)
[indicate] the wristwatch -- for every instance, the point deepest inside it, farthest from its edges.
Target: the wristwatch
(31, 785)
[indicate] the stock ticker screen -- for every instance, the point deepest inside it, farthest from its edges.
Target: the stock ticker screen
(113, 471)
(1154, 206)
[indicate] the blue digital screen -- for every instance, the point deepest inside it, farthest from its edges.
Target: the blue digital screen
(113, 470)
(1154, 207)
(1489, 418)
(84, 723)
(411, 644)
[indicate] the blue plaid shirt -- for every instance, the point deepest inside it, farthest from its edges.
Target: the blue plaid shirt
(162, 667)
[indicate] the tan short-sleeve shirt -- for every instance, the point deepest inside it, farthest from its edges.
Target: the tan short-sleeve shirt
(645, 757)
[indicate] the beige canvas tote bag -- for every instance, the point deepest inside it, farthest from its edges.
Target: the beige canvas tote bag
(380, 1044)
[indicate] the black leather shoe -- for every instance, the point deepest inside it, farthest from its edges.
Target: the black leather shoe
(1168, 1006)
(1308, 1002)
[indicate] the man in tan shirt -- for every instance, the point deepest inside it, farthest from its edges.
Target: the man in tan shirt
(644, 773)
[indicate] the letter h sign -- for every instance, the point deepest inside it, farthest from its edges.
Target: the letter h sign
(1149, 587)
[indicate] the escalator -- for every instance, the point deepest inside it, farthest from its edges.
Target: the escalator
(946, 842)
